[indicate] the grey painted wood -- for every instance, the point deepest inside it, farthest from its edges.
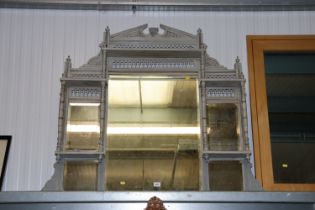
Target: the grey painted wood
(172, 52)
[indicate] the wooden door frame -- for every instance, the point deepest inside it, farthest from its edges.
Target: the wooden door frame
(257, 45)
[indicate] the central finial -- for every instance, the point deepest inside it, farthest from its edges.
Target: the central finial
(153, 31)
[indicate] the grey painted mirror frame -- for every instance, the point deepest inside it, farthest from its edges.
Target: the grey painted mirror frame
(172, 53)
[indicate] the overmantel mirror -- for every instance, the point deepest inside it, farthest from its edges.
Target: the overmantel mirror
(152, 111)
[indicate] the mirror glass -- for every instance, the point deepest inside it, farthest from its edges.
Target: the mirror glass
(223, 127)
(225, 176)
(80, 176)
(83, 130)
(152, 134)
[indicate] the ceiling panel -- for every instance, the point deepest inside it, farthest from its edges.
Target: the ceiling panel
(155, 5)
(153, 93)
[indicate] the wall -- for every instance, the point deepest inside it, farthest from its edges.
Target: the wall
(34, 44)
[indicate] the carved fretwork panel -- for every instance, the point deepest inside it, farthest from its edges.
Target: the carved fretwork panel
(221, 93)
(148, 45)
(85, 75)
(154, 64)
(84, 92)
(220, 76)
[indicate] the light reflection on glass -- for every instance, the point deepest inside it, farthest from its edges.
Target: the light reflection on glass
(154, 135)
(83, 130)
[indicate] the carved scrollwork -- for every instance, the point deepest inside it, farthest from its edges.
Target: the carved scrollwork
(211, 61)
(96, 60)
(171, 34)
(132, 32)
(137, 33)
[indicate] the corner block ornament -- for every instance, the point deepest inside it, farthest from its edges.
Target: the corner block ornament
(202, 99)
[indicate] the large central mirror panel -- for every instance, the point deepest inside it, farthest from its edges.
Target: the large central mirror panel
(153, 134)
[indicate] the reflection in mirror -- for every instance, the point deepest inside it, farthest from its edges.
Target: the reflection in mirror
(170, 160)
(153, 134)
(225, 176)
(80, 176)
(223, 129)
(83, 129)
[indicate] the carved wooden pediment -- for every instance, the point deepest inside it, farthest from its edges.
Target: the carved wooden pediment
(132, 32)
(138, 32)
(139, 38)
(142, 43)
